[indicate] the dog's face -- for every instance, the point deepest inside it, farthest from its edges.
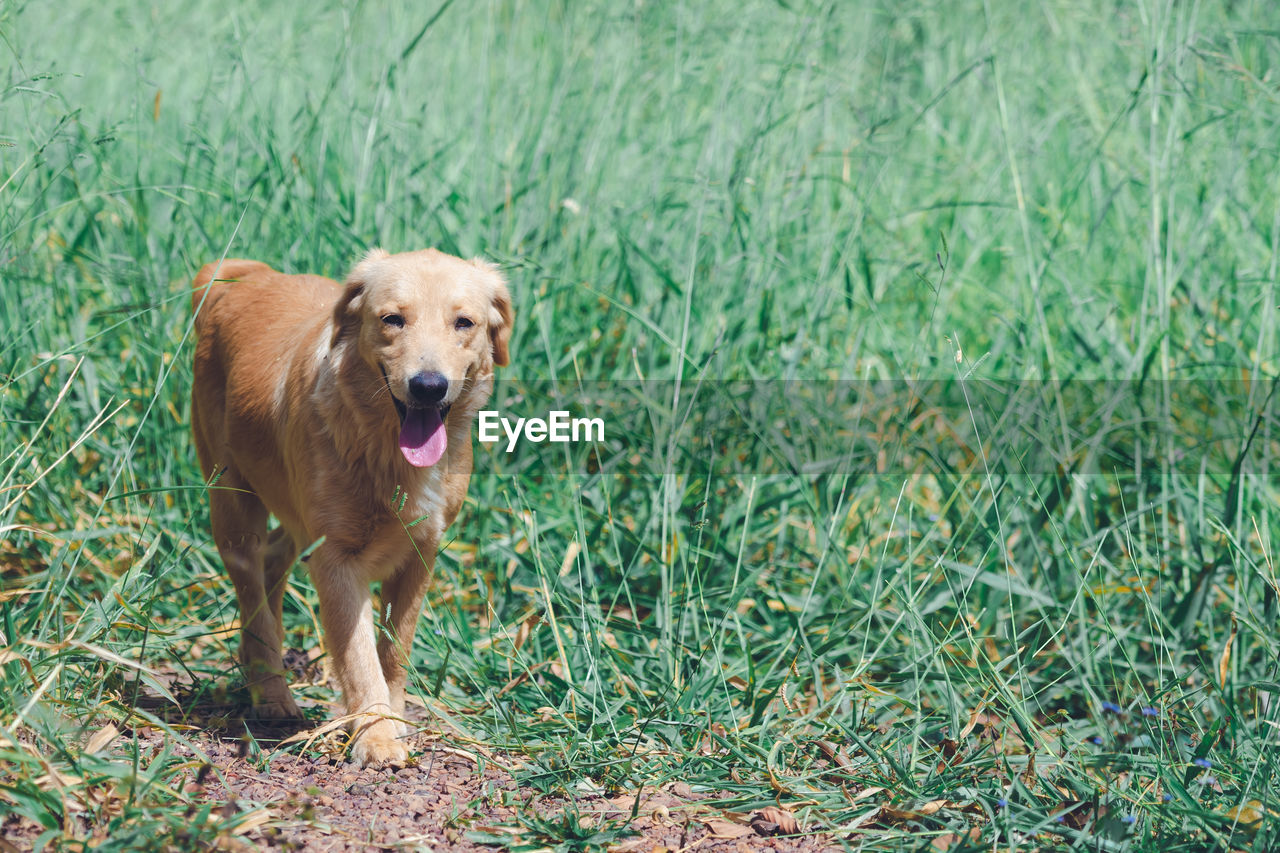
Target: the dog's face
(433, 326)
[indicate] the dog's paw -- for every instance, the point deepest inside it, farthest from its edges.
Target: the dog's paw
(285, 710)
(273, 701)
(377, 746)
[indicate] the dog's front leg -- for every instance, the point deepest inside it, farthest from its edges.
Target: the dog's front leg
(346, 614)
(402, 602)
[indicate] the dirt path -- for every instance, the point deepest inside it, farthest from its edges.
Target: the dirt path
(449, 801)
(268, 786)
(257, 798)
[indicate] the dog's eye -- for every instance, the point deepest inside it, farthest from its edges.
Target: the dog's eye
(396, 320)
(463, 323)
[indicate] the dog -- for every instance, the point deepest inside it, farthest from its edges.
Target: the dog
(345, 411)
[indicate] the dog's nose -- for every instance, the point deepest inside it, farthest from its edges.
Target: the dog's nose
(428, 387)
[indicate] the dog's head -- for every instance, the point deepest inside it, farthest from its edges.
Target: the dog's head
(434, 326)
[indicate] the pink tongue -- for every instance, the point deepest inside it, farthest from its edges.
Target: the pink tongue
(423, 437)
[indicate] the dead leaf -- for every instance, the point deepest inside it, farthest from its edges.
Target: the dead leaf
(834, 753)
(947, 841)
(570, 554)
(931, 807)
(726, 828)
(526, 628)
(896, 815)
(253, 820)
(57, 779)
(1224, 663)
(772, 820)
(977, 718)
(1248, 814)
(101, 738)
(682, 790)
(892, 813)
(636, 845)
(1028, 776)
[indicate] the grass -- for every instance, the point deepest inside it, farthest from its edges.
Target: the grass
(937, 346)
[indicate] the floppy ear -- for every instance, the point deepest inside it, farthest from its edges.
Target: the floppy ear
(346, 314)
(500, 318)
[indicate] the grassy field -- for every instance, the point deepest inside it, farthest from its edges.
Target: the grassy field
(937, 344)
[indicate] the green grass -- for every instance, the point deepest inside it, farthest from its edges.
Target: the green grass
(792, 593)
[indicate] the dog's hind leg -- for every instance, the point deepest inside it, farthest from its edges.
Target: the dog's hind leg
(277, 560)
(240, 532)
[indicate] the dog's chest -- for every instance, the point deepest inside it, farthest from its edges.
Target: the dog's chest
(421, 505)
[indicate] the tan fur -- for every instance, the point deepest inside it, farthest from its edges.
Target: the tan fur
(292, 416)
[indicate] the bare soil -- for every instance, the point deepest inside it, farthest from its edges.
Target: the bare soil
(277, 787)
(444, 798)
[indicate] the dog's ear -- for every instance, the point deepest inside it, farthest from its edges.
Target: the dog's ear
(500, 314)
(346, 314)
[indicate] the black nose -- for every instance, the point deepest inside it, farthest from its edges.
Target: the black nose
(428, 388)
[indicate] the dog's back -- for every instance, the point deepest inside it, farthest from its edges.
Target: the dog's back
(253, 314)
(209, 283)
(252, 323)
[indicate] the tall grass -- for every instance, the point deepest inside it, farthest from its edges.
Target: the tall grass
(1042, 604)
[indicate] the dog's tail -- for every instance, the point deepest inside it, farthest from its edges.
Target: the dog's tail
(208, 283)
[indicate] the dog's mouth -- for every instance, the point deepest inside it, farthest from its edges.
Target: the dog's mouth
(423, 436)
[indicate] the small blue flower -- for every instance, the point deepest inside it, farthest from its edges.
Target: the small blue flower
(1129, 819)
(1203, 762)
(1097, 740)
(1112, 707)
(1167, 797)
(1150, 712)
(1002, 803)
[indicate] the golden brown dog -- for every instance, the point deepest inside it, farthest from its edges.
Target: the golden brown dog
(345, 411)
